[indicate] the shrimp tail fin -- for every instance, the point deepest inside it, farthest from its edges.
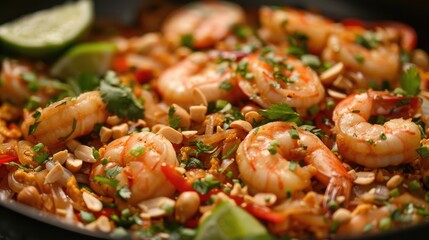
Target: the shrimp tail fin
(338, 190)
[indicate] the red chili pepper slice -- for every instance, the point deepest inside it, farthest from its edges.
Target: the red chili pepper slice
(120, 64)
(106, 212)
(4, 158)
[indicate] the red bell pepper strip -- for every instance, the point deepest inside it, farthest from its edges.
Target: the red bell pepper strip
(175, 178)
(265, 213)
(4, 158)
(259, 211)
(181, 184)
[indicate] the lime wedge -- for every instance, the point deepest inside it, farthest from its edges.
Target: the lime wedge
(46, 32)
(233, 223)
(86, 58)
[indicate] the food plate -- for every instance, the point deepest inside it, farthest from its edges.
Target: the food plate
(22, 209)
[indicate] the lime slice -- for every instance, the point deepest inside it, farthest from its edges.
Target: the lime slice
(45, 32)
(233, 223)
(86, 58)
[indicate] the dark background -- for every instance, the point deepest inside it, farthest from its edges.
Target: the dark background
(413, 12)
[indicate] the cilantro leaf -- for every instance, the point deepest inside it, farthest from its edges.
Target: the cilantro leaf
(205, 186)
(123, 192)
(410, 81)
(83, 83)
(173, 120)
(121, 101)
(103, 180)
(280, 112)
(112, 172)
(202, 148)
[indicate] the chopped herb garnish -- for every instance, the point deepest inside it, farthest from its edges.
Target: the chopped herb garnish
(204, 186)
(241, 31)
(272, 148)
(383, 136)
(36, 115)
(225, 85)
(112, 172)
(394, 192)
(370, 141)
(298, 44)
(333, 205)
(187, 40)
(230, 151)
(123, 192)
(280, 112)
(334, 227)
(41, 157)
(173, 120)
(427, 196)
(242, 70)
(33, 102)
(410, 81)
(367, 227)
(359, 58)
(193, 162)
(15, 164)
(397, 216)
(87, 217)
(38, 147)
(356, 111)
(423, 151)
(275, 84)
(313, 110)
(385, 224)
(293, 165)
(202, 148)
(414, 185)
(280, 76)
(103, 180)
(294, 133)
(95, 153)
(368, 40)
(104, 161)
(119, 99)
(33, 128)
(62, 139)
(330, 104)
(311, 61)
(405, 57)
(137, 151)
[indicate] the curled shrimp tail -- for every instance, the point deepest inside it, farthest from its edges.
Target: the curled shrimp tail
(338, 190)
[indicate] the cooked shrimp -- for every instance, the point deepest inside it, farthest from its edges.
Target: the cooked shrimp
(202, 24)
(366, 52)
(197, 71)
(65, 119)
(138, 158)
(375, 145)
(274, 78)
(19, 82)
(268, 161)
(280, 23)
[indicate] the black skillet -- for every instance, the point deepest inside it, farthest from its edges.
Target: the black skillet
(15, 222)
